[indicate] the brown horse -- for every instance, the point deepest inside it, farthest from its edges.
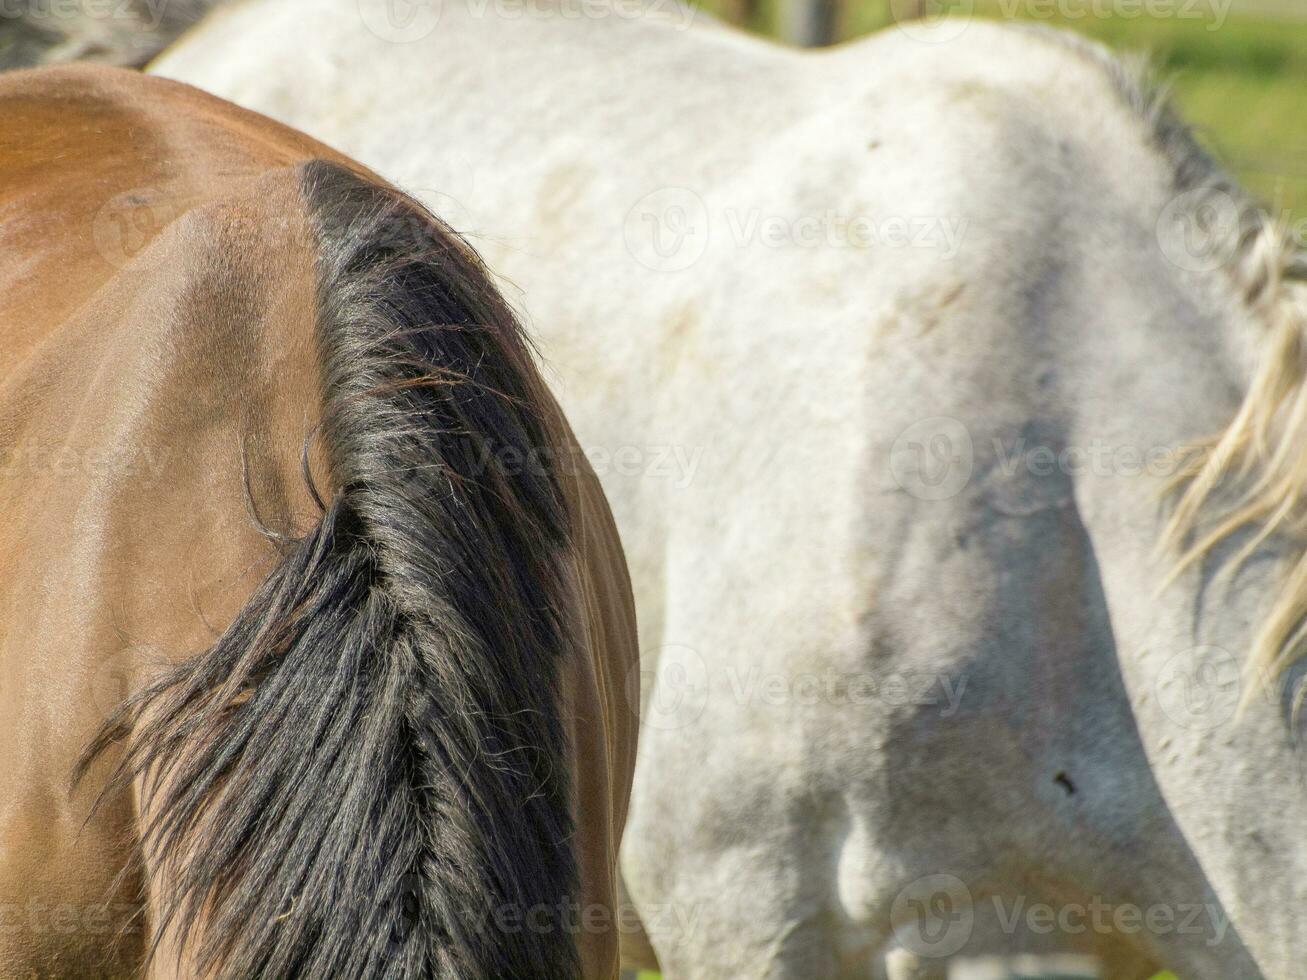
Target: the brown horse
(275, 462)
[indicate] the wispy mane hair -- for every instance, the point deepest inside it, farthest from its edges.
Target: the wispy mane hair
(366, 775)
(1250, 478)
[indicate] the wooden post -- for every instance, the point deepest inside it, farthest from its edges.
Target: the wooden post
(741, 13)
(809, 23)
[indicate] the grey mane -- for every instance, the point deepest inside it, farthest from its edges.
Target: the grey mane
(1195, 171)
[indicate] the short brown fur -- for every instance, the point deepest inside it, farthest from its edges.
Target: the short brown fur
(159, 374)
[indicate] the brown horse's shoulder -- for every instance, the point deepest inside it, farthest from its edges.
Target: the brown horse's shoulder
(157, 374)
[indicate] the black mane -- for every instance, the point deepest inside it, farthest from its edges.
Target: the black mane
(366, 775)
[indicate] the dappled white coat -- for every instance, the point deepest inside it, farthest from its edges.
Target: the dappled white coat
(866, 345)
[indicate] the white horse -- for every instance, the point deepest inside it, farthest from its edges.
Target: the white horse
(889, 357)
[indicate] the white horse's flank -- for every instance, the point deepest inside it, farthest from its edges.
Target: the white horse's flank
(886, 356)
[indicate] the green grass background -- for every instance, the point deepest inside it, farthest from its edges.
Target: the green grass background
(1241, 82)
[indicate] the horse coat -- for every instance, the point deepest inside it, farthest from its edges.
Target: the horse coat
(276, 464)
